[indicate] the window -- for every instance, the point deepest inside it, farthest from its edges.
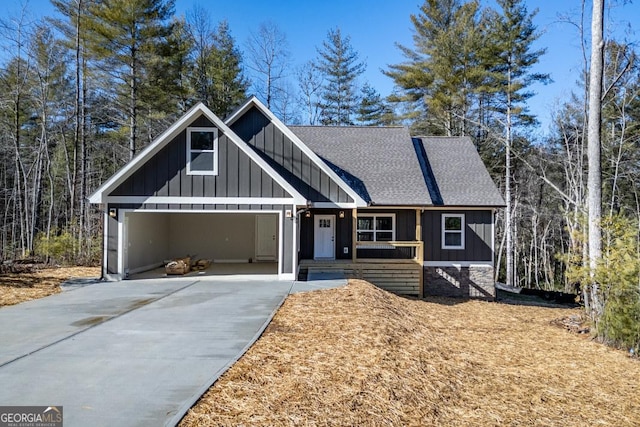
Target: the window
(452, 231)
(202, 151)
(376, 228)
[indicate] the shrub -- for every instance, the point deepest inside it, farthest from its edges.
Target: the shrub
(617, 321)
(619, 275)
(59, 248)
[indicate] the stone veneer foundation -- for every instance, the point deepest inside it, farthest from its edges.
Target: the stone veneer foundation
(475, 281)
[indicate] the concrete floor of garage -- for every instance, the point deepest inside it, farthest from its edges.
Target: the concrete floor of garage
(217, 269)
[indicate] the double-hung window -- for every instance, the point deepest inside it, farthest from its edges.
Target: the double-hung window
(376, 228)
(452, 231)
(202, 151)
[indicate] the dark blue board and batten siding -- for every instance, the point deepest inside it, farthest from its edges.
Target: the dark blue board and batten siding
(405, 231)
(478, 237)
(112, 245)
(165, 175)
(343, 232)
(287, 159)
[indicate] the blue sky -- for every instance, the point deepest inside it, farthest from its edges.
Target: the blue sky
(376, 25)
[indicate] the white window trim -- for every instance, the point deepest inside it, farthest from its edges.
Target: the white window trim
(214, 130)
(462, 225)
(374, 231)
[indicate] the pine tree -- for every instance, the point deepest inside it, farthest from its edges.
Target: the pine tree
(167, 89)
(340, 67)
(438, 79)
(124, 34)
(228, 84)
(373, 111)
(509, 56)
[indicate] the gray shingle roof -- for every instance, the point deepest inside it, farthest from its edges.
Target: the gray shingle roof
(461, 178)
(387, 167)
(380, 163)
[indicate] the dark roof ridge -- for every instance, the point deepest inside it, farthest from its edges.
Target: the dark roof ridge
(443, 136)
(349, 126)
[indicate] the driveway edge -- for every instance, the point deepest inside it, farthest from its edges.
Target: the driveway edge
(184, 408)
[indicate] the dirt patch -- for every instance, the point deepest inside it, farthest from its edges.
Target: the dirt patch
(361, 356)
(19, 287)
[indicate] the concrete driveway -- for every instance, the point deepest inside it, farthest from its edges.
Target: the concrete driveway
(138, 352)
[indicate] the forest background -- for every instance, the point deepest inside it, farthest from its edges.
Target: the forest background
(87, 86)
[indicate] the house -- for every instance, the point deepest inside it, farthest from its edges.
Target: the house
(412, 215)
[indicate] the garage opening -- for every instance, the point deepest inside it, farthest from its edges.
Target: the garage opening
(235, 243)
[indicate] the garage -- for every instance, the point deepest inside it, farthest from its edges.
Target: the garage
(199, 190)
(235, 243)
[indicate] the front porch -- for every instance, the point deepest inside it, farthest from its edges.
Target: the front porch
(381, 245)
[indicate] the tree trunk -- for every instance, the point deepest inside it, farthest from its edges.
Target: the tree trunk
(508, 226)
(594, 178)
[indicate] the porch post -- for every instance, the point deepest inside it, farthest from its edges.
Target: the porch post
(418, 234)
(354, 234)
(420, 250)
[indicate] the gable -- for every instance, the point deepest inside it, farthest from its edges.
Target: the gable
(455, 172)
(161, 169)
(165, 173)
(288, 159)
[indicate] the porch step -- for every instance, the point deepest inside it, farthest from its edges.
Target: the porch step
(318, 273)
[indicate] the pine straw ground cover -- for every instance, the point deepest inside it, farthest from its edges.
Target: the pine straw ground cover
(359, 356)
(19, 287)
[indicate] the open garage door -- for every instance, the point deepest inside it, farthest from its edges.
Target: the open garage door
(236, 243)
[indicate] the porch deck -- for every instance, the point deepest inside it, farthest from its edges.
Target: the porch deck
(403, 277)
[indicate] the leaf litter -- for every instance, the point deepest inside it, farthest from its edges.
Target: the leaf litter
(358, 355)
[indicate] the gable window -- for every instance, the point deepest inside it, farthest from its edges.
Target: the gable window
(202, 151)
(452, 231)
(376, 228)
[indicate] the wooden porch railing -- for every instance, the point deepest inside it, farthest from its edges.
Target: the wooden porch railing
(417, 248)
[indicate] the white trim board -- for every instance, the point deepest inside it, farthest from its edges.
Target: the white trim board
(167, 136)
(457, 264)
(253, 101)
(332, 205)
(459, 208)
(105, 243)
(174, 200)
(200, 211)
(121, 242)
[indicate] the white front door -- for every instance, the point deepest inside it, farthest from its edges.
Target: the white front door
(324, 237)
(266, 241)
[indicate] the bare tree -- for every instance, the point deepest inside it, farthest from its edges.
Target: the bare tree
(268, 56)
(15, 80)
(201, 31)
(75, 31)
(310, 83)
(594, 304)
